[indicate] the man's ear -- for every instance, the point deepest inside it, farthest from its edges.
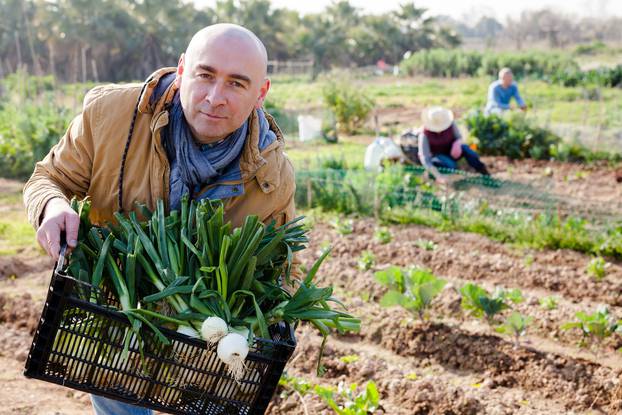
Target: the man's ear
(180, 70)
(263, 91)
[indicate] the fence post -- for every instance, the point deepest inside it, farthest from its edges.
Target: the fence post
(376, 202)
(309, 186)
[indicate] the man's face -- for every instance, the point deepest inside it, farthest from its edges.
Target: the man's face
(220, 85)
(507, 79)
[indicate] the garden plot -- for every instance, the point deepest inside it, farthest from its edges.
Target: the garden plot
(547, 371)
(452, 363)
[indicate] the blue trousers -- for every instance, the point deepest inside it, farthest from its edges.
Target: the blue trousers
(445, 160)
(105, 406)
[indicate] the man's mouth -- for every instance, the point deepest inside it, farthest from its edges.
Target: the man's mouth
(213, 116)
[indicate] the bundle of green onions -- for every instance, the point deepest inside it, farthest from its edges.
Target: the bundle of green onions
(191, 270)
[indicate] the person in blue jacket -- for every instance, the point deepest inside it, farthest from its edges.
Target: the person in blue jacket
(501, 92)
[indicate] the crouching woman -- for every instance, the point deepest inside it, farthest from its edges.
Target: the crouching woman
(441, 146)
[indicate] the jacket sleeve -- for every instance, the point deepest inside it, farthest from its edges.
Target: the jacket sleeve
(287, 212)
(66, 170)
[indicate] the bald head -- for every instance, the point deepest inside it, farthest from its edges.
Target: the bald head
(221, 79)
(234, 36)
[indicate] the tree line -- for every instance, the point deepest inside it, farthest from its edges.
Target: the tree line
(539, 27)
(113, 40)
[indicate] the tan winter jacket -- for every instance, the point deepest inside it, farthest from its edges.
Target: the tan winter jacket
(87, 160)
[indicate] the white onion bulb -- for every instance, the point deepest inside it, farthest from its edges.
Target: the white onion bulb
(232, 350)
(213, 329)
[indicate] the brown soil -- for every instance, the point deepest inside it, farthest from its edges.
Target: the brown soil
(471, 257)
(26, 262)
(462, 257)
(452, 364)
(595, 184)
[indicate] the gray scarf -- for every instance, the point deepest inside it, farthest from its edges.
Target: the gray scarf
(194, 166)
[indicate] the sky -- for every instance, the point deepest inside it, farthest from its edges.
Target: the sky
(465, 10)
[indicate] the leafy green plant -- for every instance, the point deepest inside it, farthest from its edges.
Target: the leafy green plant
(611, 242)
(332, 162)
(514, 136)
(30, 123)
(594, 327)
(404, 201)
(366, 261)
(414, 289)
(299, 385)
(515, 325)
(404, 185)
(350, 105)
(597, 268)
(343, 226)
(514, 295)
(383, 235)
(343, 399)
(510, 135)
(548, 303)
(348, 400)
(480, 303)
(351, 358)
(426, 244)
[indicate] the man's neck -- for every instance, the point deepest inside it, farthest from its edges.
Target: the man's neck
(210, 144)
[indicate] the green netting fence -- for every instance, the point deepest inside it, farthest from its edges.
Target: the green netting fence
(358, 191)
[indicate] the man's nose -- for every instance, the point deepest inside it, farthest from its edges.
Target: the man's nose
(216, 94)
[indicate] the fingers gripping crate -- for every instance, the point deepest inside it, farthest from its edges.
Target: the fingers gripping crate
(80, 340)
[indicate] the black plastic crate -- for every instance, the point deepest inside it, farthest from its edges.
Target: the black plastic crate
(79, 341)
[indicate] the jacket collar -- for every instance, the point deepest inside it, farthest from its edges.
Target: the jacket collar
(263, 165)
(145, 104)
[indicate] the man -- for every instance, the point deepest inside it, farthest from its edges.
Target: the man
(196, 129)
(501, 92)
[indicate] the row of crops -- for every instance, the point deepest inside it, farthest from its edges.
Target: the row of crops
(560, 68)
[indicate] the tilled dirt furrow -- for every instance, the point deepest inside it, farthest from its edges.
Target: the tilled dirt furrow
(476, 258)
(578, 383)
(406, 385)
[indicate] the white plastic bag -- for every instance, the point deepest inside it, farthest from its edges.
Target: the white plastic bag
(391, 150)
(374, 155)
(309, 127)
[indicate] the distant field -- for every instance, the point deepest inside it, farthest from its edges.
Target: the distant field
(459, 94)
(592, 115)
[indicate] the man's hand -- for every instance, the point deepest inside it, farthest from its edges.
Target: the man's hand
(57, 216)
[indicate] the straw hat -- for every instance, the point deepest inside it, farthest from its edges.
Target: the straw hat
(437, 119)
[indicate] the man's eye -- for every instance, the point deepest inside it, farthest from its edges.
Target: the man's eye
(205, 75)
(237, 84)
